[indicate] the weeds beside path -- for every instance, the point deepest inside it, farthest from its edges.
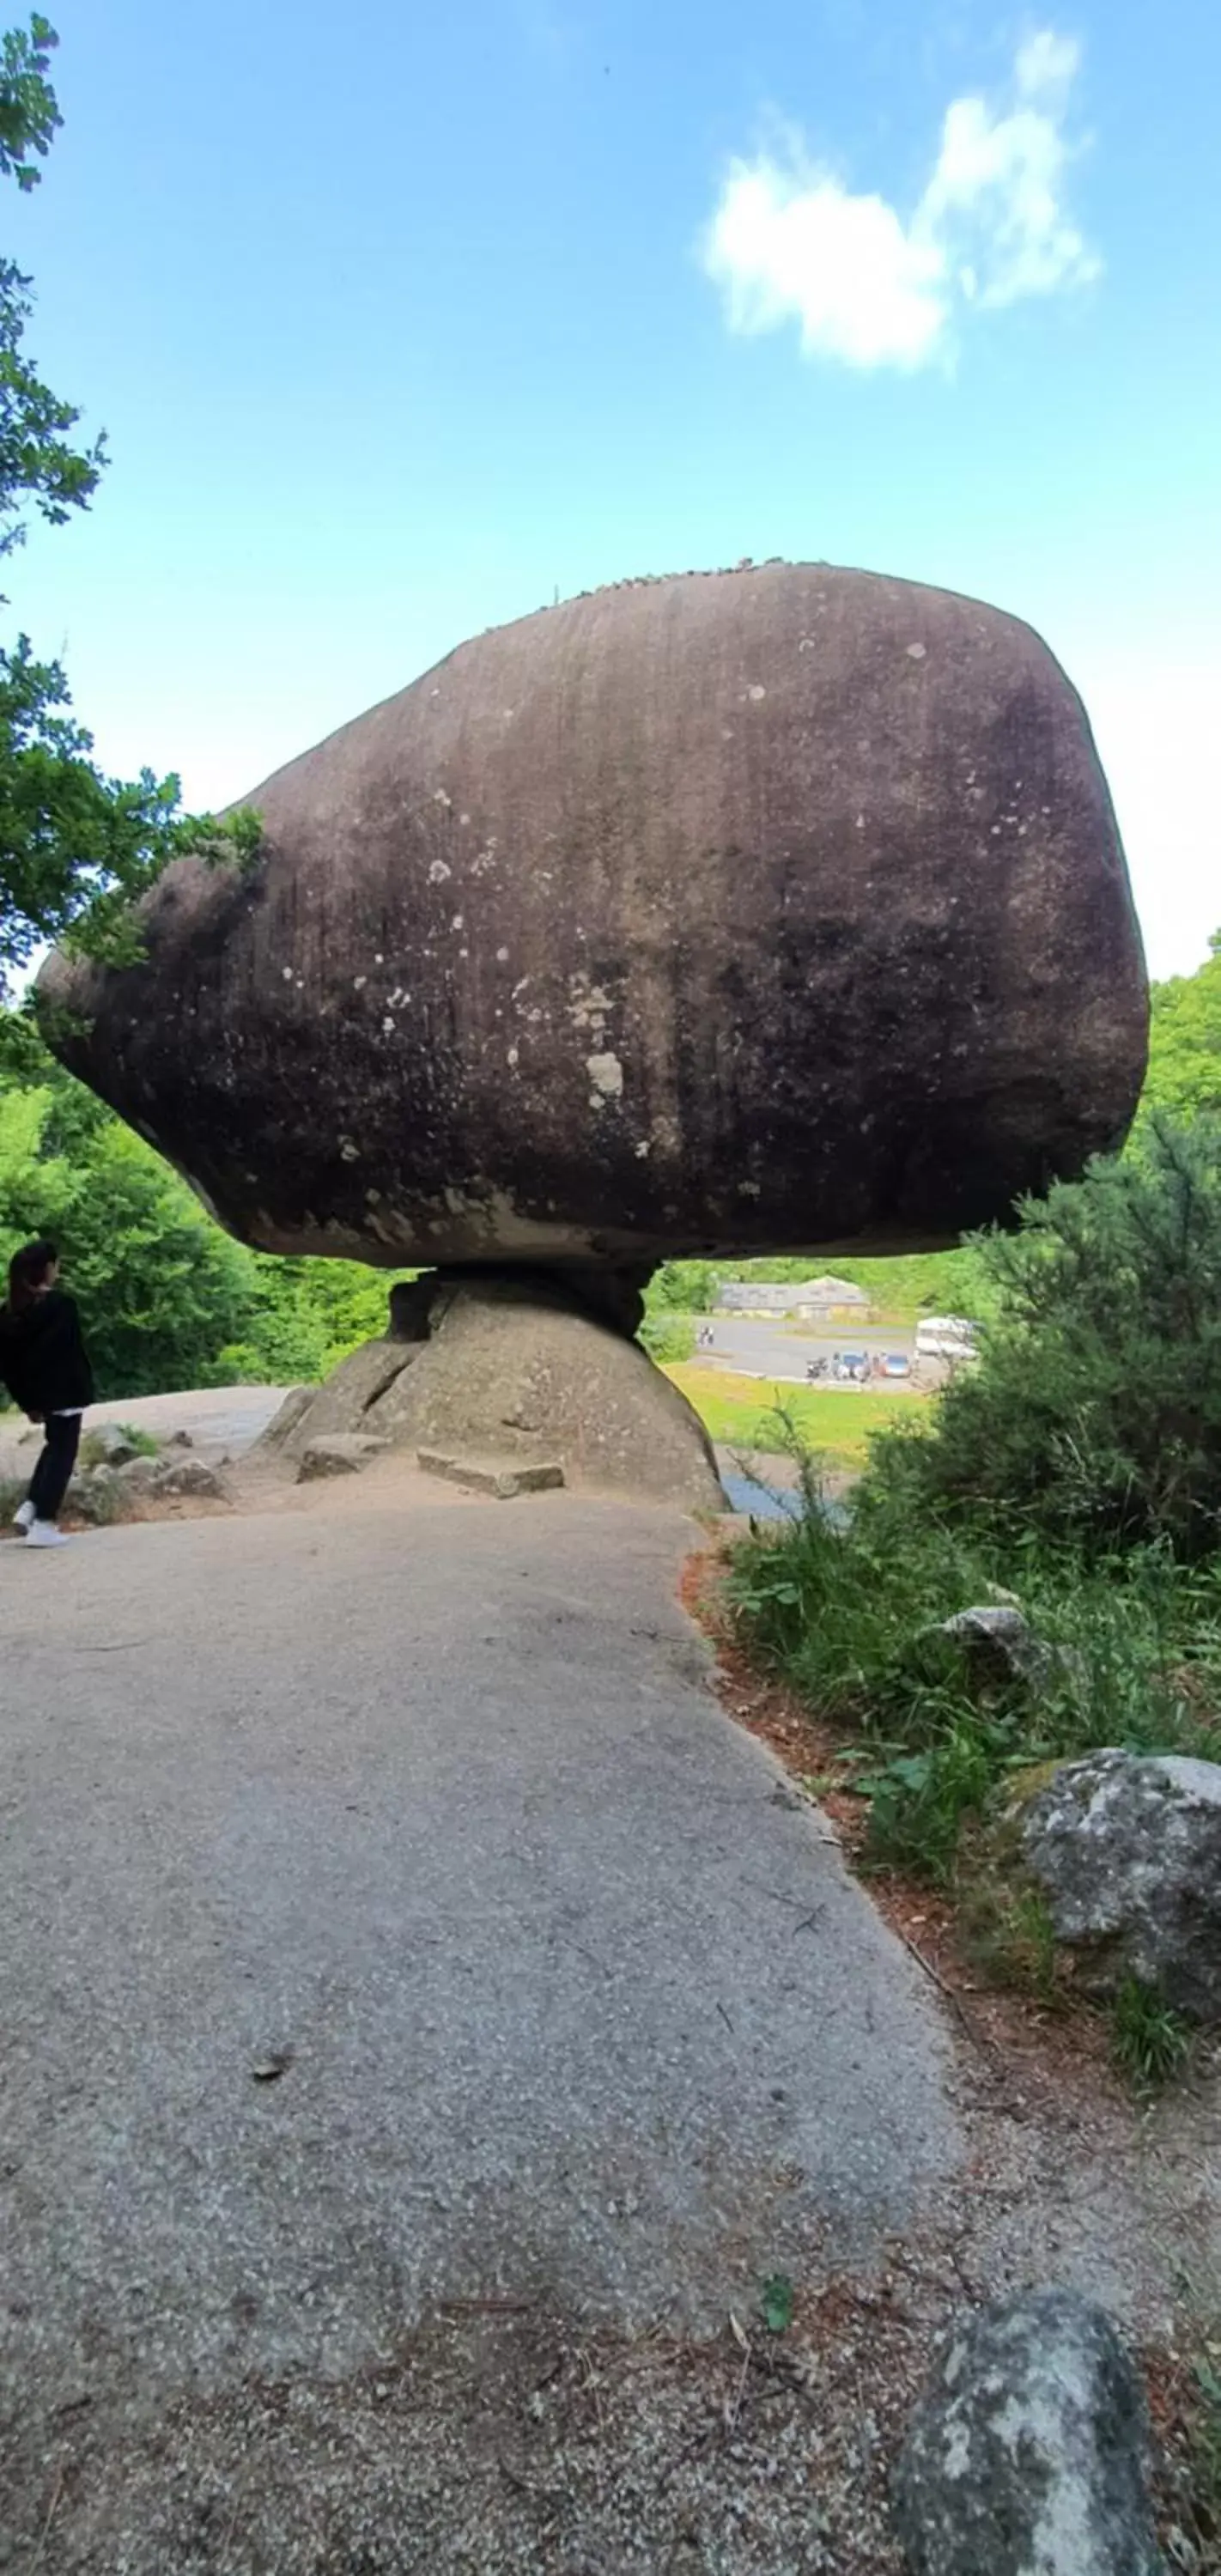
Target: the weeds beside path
(1053, 2113)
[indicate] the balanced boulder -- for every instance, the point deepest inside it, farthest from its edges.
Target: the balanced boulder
(712, 914)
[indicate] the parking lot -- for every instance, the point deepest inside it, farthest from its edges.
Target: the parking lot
(772, 1349)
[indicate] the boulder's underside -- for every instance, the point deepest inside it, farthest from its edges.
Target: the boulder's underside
(734, 912)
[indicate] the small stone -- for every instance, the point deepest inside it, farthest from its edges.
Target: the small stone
(1001, 1646)
(189, 1478)
(273, 2063)
(344, 1454)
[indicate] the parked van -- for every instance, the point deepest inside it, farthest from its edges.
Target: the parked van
(947, 1337)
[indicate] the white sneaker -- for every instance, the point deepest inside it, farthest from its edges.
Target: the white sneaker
(23, 1518)
(45, 1534)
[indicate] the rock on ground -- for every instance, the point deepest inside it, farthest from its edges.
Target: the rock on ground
(98, 1495)
(109, 1446)
(139, 1475)
(344, 1454)
(1028, 2455)
(1001, 1646)
(1126, 1850)
(190, 1477)
(766, 908)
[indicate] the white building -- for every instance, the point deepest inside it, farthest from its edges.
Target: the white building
(808, 1301)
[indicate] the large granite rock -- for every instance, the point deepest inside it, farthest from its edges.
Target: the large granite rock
(1028, 2455)
(721, 913)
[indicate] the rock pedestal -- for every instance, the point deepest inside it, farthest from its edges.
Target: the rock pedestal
(513, 1368)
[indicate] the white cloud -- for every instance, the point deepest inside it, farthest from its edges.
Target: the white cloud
(790, 243)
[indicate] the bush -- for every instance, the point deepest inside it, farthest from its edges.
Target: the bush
(852, 1621)
(1093, 1418)
(1150, 2042)
(668, 1337)
(1076, 1466)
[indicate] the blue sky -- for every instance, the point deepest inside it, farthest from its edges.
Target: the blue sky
(401, 320)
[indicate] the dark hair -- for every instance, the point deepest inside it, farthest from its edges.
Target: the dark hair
(26, 1272)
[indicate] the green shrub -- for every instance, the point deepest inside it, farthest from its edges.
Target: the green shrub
(918, 1800)
(166, 1298)
(1093, 1417)
(668, 1337)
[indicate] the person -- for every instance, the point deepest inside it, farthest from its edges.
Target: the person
(45, 1366)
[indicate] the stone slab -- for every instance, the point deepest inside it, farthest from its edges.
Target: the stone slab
(501, 1477)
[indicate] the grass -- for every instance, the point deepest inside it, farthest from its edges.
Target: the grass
(851, 1620)
(1150, 2042)
(746, 1413)
(936, 1741)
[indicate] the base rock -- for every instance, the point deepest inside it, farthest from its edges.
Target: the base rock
(1027, 2455)
(510, 1366)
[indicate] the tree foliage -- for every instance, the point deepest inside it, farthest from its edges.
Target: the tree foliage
(1094, 1415)
(37, 463)
(168, 1299)
(1185, 1041)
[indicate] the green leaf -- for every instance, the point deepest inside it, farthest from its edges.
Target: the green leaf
(777, 2300)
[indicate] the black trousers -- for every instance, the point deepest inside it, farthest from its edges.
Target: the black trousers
(49, 1482)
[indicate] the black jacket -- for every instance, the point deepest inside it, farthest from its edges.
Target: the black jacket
(43, 1360)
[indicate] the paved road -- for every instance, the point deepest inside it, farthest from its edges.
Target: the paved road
(425, 1799)
(220, 1419)
(769, 1350)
